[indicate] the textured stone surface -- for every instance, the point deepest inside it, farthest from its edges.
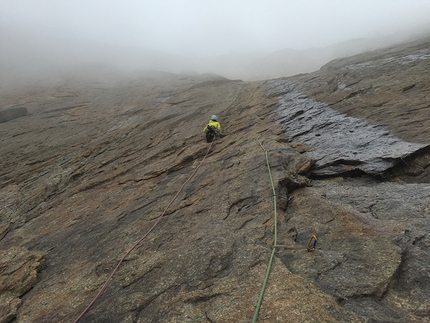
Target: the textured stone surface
(93, 165)
(9, 304)
(387, 88)
(18, 274)
(343, 144)
(12, 113)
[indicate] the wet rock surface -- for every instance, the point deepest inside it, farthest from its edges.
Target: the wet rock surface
(386, 88)
(87, 173)
(343, 144)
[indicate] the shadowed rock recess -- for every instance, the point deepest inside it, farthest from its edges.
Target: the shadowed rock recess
(87, 172)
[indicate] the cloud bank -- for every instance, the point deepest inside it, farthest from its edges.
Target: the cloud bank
(188, 34)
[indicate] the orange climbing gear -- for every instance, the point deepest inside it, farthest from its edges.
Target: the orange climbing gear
(312, 244)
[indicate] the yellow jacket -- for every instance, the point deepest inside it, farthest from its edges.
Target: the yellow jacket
(213, 123)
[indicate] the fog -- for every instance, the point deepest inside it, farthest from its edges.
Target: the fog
(247, 39)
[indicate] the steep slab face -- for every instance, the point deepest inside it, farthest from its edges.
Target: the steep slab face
(98, 164)
(94, 164)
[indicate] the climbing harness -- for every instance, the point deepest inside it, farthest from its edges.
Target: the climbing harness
(275, 233)
(102, 289)
(312, 244)
(211, 133)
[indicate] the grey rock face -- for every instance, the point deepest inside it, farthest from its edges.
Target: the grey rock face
(18, 275)
(12, 113)
(342, 144)
(89, 171)
(346, 113)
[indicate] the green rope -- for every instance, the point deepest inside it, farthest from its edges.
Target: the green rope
(275, 234)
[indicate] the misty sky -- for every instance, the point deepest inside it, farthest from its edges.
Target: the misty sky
(210, 27)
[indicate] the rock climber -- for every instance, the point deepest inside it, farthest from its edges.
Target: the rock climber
(213, 128)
